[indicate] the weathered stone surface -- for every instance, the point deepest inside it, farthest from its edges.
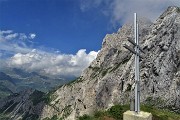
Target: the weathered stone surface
(131, 115)
(24, 105)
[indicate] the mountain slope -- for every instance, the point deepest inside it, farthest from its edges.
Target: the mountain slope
(110, 77)
(23, 105)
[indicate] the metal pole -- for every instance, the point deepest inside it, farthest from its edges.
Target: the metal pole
(138, 80)
(135, 40)
(137, 96)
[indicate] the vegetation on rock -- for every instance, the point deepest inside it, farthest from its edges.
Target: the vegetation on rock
(116, 113)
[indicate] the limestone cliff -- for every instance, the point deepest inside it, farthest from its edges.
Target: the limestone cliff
(110, 77)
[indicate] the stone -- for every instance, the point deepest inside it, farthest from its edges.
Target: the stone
(131, 115)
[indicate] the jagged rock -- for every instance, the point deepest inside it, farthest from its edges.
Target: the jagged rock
(27, 105)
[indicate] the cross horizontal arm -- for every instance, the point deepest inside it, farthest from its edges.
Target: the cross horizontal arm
(132, 50)
(131, 41)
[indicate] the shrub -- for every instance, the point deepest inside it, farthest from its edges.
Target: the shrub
(99, 114)
(117, 111)
(85, 117)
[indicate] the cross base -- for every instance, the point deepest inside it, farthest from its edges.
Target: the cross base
(131, 115)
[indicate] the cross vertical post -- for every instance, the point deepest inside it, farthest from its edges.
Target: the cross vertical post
(137, 86)
(135, 102)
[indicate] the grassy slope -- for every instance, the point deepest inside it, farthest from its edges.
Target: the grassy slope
(116, 113)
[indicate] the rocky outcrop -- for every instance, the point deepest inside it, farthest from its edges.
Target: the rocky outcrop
(109, 78)
(26, 105)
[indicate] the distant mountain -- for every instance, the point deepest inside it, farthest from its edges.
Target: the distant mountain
(13, 80)
(28, 102)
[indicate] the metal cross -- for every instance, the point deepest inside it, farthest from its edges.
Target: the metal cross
(137, 56)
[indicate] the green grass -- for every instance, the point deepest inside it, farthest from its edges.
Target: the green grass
(116, 113)
(86, 117)
(160, 114)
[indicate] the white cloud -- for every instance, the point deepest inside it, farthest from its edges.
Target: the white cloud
(21, 55)
(7, 35)
(30, 59)
(11, 36)
(32, 36)
(14, 42)
(53, 64)
(22, 36)
(121, 11)
(6, 32)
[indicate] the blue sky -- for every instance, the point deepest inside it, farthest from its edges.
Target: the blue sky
(58, 24)
(62, 37)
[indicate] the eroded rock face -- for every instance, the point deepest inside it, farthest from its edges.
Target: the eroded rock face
(109, 78)
(26, 105)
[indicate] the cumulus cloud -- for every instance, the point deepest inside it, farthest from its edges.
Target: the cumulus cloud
(32, 36)
(15, 52)
(14, 42)
(121, 11)
(6, 32)
(11, 36)
(22, 36)
(53, 64)
(7, 35)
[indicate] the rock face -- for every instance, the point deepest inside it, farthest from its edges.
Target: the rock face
(110, 77)
(26, 105)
